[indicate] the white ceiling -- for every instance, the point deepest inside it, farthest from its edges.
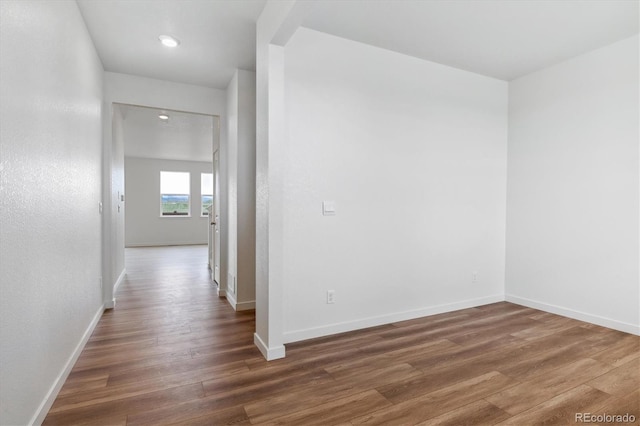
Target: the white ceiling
(504, 39)
(217, 36)
(185, 136)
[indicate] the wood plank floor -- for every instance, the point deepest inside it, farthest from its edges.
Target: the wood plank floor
(172, 352)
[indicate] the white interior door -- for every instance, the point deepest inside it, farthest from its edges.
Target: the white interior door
(216, 217)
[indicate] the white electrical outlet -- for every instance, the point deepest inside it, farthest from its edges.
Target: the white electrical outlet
(331, 296)
(474, 277)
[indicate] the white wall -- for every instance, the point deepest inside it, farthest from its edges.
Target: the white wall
(246, 265)
(141, 91)
(50, 165)
(116, 183)
(270, 115)
(143, 225)
(572, 224)
(413, 153)
(231, 159)
(241, 189)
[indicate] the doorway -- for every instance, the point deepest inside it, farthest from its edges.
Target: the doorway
(145, 142)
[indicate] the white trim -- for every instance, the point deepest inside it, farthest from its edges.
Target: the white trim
(118, 282)
(231, 298)
(221, 293)
(310, 333)
(246, 306)
(268, 353)
(49, 399)
(239, 306)
(570, 313)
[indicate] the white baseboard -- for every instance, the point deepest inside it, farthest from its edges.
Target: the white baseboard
(231, 298)
(119, 281)
(49, 399)
(111, 304)
(571, 313)
(246, 306)
(239, 306)
(268, 353)
(310, 333)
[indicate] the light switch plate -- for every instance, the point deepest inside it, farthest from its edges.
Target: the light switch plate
(328, 208)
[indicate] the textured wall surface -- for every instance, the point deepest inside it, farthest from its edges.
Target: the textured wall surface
(413, 154)
(246, 270)
(50, 165)
(231, 159)
(572, 222)
(241, 187)
(269, 139)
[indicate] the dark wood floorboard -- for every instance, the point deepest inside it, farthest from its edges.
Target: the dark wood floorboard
(172, 352)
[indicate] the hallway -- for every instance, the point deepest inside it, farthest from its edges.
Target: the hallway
(168, 334)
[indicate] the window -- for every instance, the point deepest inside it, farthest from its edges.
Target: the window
(174, 193)
(206, 191)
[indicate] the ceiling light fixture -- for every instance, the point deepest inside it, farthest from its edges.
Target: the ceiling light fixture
(163, 117)
(169, 41)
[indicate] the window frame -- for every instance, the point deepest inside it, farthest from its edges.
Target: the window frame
(188, 195)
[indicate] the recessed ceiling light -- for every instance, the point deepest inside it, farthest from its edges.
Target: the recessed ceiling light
(169, 41)
(163, 117)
